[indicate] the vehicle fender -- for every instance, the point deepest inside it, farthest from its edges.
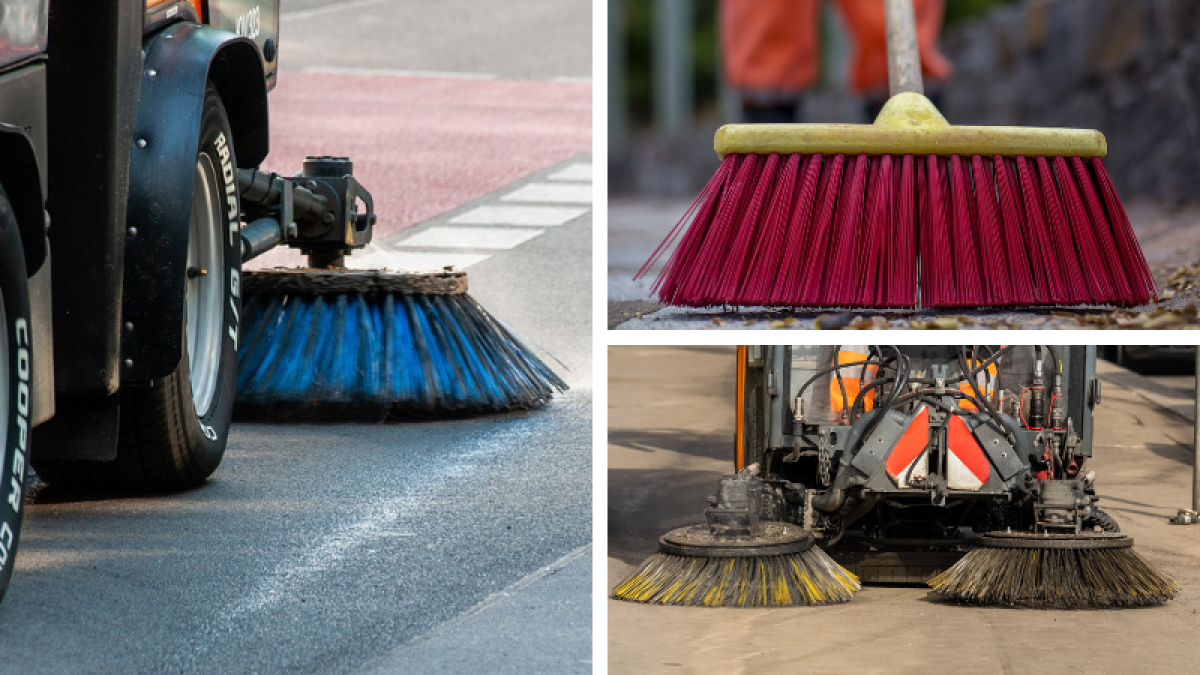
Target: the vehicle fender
(21, 176)
(180, 62)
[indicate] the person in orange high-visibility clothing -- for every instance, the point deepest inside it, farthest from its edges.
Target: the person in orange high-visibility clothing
(770, 54)
(868, 66)
(854, 379)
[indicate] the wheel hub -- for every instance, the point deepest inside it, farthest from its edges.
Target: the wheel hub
(204, 286)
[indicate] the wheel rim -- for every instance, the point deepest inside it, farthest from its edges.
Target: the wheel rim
(4, 385)
(204, 287)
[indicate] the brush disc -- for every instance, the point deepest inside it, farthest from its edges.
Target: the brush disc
(777, 567)
(1047, 541)
(768, 539)
(309, 281)
(1056, 571)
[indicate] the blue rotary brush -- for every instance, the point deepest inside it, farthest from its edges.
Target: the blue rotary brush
(408, 344)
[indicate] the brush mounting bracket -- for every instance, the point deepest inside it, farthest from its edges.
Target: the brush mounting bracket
(316, 211)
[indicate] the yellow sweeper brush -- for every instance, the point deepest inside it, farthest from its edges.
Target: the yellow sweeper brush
(736, 560)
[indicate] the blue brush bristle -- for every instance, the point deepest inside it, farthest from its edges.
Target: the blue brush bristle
(416, 353)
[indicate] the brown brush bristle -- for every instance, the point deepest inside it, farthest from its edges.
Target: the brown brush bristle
(807, 578)
(1055, 578)
(856, 231)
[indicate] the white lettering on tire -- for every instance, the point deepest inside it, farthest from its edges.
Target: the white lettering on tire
(231, 197)
(22, 401)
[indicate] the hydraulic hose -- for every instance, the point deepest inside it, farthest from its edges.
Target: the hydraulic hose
(827, 371)
(987, 405)
(833, 498)
(837, 353)
(1104, 520)
(901, 383)
(1057, 363)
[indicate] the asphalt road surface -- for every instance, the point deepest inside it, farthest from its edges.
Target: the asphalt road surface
(670, 438)
(442, 546)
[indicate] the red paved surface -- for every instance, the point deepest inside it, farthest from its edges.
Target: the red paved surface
(426, 145)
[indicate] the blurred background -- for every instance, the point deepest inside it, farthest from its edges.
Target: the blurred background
(1129, 68)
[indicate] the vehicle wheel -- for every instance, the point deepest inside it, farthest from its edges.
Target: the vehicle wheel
(173, 433)
(16, 371)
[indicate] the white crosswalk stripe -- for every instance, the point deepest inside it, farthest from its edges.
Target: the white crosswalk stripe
(579, 172)
(513, 220)
(501, 214)
(470, 237)
(551, 193)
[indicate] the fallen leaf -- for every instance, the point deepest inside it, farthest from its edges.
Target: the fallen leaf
(1164, 322)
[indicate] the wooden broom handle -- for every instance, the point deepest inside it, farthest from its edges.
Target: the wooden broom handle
(904, 57)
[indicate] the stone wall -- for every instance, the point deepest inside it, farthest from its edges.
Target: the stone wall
(1130, 68)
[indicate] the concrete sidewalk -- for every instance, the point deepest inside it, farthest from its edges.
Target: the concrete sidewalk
(508, 631)
(1160, 395)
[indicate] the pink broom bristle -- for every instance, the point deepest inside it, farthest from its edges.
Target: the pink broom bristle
(702, 283)
(963, 247)
(904, 232)
(1099, 222)
(1060, 236)
(1095, 273)
(786, 286)
(768, 251)
(733, 268)
(1132, 259)
(876, 232)
(901, 279)
(809, 290)
(841, 281)
(1021, 267)
(700, 214)
(991, 246)
(1055, 288)
(935, 237)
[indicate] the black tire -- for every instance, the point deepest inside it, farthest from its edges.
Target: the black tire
(165, 446)
(16, 376)
(1104, 520)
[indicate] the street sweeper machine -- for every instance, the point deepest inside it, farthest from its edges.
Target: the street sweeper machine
(897, 461)
(131, 132)
(127, 128)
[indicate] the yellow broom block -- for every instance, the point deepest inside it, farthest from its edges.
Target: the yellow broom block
(909, 124)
